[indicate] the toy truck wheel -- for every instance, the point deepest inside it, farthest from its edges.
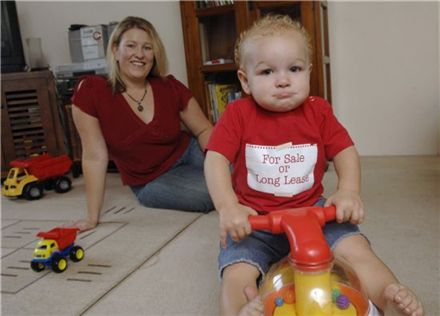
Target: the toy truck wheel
(63, 184)
(59, 264)
(76, 254)
(37, 266)
(32, 191)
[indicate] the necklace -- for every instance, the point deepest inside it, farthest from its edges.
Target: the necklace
(140, 107)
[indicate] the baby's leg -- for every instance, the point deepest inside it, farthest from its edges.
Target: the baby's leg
(381, 285)
(239, 291)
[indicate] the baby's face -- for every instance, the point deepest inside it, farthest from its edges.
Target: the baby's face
(276, 71)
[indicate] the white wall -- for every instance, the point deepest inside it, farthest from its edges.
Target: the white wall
(385, 75)
(50, 21)
(385, 61)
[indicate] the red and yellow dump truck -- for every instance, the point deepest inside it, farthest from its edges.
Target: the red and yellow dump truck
(29, 177)
(53, 249)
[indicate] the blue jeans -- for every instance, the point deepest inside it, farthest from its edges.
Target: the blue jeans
(183, 187)
(262, 248)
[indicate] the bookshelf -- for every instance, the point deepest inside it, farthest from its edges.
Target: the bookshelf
(210, 29)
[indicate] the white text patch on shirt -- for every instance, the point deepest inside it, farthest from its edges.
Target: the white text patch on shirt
(281, 170)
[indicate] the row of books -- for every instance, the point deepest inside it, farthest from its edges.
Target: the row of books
(219, 96)
(212, 3)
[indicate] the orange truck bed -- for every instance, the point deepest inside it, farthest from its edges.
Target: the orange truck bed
(45, 166)
(63, 236)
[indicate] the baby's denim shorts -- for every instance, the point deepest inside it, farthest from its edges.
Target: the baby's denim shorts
(262, 248)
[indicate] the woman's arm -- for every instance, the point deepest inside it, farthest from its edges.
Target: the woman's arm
(94, 165)
(196, 121)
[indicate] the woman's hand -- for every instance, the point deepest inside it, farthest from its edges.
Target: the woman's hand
(234, 221)
(349, 206)
(83, 224)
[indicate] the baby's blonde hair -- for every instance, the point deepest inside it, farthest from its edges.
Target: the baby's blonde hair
(269, 25)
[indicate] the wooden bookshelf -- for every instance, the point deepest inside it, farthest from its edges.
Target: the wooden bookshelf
(211, 28)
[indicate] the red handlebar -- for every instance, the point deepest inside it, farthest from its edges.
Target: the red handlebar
(271, 220)
(303, 226)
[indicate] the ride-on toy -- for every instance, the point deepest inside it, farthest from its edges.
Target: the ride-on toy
(56, 245)
(309, 282)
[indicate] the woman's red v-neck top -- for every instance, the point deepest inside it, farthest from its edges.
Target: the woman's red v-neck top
(141, 151)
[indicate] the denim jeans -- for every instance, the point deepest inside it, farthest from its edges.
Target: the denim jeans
(183, 187)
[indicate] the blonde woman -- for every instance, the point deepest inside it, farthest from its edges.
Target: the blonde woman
(144, 120)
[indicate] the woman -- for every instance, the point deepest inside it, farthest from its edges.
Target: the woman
(147, 123)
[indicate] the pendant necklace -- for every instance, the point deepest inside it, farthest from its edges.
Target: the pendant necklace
(140, 107)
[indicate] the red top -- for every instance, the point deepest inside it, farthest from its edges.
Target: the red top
(279, 159)
(141, 151)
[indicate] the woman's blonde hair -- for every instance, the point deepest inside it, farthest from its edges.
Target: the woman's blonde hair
(269, 25)
(160, 66)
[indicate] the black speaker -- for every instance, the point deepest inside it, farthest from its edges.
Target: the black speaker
(12, 55)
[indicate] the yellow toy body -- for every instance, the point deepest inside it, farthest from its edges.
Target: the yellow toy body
(289, 292)
(17, 179)
(45, 248)
(313, 293)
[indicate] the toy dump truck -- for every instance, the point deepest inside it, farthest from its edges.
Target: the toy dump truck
(56, 245)
(28, 178)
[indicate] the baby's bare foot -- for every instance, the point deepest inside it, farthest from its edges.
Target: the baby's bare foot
(254, 307)
(402, 301)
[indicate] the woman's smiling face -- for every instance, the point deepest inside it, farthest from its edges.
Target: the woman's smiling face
(134, 54)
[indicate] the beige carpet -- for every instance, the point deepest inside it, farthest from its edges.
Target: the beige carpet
(161, 262)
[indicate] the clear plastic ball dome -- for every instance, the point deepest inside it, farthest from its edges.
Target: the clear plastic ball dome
(333, 292)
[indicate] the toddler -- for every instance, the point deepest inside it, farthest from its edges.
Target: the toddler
(278, 141)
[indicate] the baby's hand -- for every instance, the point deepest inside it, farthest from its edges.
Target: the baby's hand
(234, 221)
(349, 206)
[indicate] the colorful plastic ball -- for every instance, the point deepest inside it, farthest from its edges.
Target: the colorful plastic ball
(335, 294)
(279, 301)
(343, 302)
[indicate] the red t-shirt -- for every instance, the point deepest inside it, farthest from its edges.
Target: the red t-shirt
(141, 151)
(278, 159)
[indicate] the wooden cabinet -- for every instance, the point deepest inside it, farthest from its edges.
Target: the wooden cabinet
(210, 32)
(30, 117)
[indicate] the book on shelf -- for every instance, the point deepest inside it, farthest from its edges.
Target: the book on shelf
(219, 96)
(212, 107)
(203, 41)
(212, 3)
(218, 61)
